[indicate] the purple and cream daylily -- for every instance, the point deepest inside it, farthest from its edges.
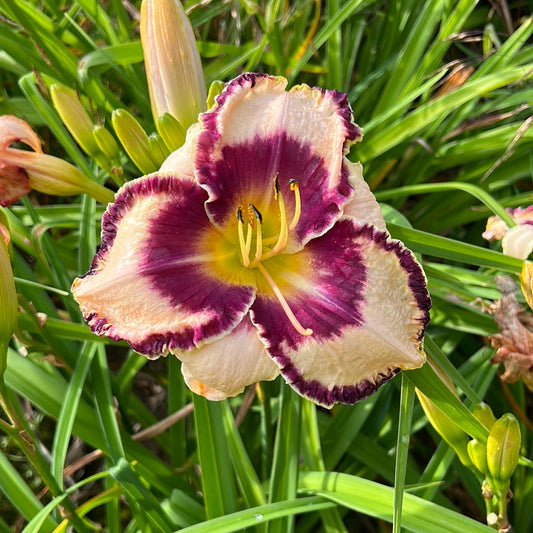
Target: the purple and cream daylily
(258, 249)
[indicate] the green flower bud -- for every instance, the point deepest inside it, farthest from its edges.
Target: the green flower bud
(106, 143)
(134, 140)
(75, 118)
(158, 148)
(484, 414)
(503, 450)
(452, 434)
(477, 451)
(171, 131)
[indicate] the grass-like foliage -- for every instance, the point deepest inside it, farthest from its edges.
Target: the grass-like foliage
(93, 436)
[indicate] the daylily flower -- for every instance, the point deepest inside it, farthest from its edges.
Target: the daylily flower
(258, 249)
(22, 170)
(516, 241)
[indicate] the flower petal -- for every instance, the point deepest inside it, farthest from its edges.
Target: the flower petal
(257, 130)
(13, 129)
(518, 241)
(365, 298)
(14, 183)
(153, 282)
(181, 161)
(362, 206)
(223, 368)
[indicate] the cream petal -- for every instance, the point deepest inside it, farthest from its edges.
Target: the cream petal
(518, 241)
(223, 368)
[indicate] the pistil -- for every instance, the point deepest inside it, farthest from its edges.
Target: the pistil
(285, 306)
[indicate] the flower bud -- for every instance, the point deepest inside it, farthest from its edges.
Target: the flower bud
(75, 118)
(8, 296)
(526, 282)
(477, 451)
(452, 434)
(484, 414)
(173, 66)
(171, 131)
(158, 149)
(134, 140)
(106, 143)
(503, 450)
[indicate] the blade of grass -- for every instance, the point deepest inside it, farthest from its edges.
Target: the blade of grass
(68, 412)
(402, 450)
(214, 456)
(284, 476)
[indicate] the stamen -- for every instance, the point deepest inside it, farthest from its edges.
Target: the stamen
(259, 237)
(285, 306)
(293, 185)
(245, 249)
(283, 237)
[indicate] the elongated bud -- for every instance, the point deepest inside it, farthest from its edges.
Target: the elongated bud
(158, 149)
(173, 67)
(503, 450)
(452, 434)
(134, 140)
(8, 296)
(75, 118)
(484, 414)
(106, 143)
(171, 131)
(526, 282)
(477, 451)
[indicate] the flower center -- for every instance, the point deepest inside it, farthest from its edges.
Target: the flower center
(271, 246)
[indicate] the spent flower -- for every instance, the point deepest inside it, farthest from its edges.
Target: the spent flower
(258, 249)
(23, 170)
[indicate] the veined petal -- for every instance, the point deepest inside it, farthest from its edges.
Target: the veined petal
(256, 131)
(365, 298)
(223, 368)
(154, 281)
